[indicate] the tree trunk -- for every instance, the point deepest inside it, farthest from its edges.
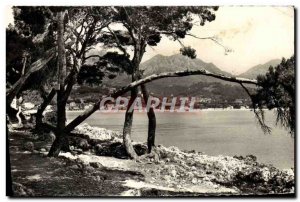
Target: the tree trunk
(151, 120)
(9, 189)
(41, 109)
(128, 126)
(61, 140)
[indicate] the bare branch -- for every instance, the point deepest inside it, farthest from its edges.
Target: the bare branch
(212, 38)
(227, 50)
(117, 41)
(260, 119)
(180, 42)
(91, 56)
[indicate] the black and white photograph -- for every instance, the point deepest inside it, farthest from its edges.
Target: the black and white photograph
(150, 101)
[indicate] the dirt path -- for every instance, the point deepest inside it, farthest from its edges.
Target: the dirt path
(71, 175)
(167, 172)
(43, 176)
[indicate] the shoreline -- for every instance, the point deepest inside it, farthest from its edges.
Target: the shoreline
(194, 170)
(168, 111)
(33, 111)
(166, 171)
(192, 130)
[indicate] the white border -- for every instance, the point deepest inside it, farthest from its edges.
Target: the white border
(5, 3)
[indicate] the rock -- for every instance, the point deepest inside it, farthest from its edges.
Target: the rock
(28, 105)
(289, 172)
(141, 149)
(78, 151)
(194, 180)
(75, 167)
(88, 169)
(251, 158)
(173, 173)
(266, 174)
(83, 144)
(99, 149)
(101, 134)
(167, 178)
(21, 190)
(208, 172)
(35, 151)
(28, 146)
(50, 117)
(96, 165)
(43, 150)
(238, 157)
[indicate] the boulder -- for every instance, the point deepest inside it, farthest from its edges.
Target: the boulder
(100, 134)
(96, 165)
(83, 144)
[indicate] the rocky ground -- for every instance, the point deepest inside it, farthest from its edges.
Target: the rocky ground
(98, 166)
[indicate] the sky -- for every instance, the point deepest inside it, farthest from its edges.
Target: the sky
(256, 34)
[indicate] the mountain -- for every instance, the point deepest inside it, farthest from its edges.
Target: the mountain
(260, 69)
(196, 85)
(160, 63)
(178, 62)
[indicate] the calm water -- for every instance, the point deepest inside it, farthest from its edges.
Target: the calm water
(234, 132)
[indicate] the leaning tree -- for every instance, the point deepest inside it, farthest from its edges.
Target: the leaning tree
(29, 52)
(132, 29)
(78, 29)
(74, 33)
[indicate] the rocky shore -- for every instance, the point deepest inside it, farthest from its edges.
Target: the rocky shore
(169, 168)
(98, 155)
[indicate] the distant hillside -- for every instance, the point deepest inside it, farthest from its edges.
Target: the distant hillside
(260, 69)
(160, 63)
(199, 86)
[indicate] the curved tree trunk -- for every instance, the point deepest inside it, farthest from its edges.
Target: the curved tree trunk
(87, 113)
(128, 126)
(151, 120)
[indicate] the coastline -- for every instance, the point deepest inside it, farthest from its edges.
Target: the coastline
(166, 171)
(33, 111)
(195, 171)
(168, 111)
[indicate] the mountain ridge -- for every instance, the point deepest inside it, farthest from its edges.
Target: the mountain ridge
(160, 63)
(259, 69)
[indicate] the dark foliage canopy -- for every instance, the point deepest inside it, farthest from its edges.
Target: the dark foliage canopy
(278, 92)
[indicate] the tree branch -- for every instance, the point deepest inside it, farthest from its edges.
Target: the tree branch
(92, 56)
(117, 41)
(213, 39)
(36, 66)
(261, 121)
